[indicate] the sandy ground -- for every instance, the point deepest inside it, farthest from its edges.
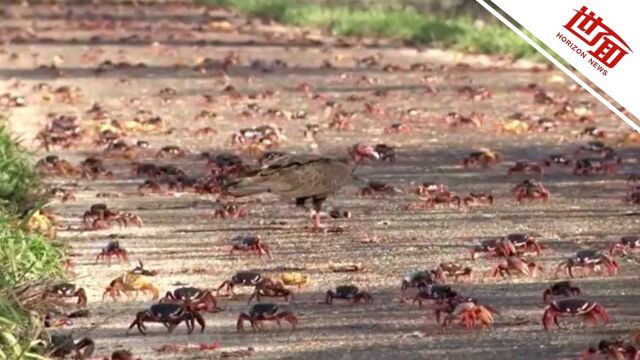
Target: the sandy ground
(180, 233)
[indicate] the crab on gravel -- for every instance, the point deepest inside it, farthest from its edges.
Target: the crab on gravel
(350, 293)
(484, 158)
(514, 263)
(625, 244)
(561, 288)
(589, 310)
(525, 167)
(198, 299)
(250, 244)
(453, 269)
(65, 290)
(531, 189)
(113, 248)
(241, 278)
(416, 279)
(170, 315)
(591, 260)
(614, 349)
(262, 312)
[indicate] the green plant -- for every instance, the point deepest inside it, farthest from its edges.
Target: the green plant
(457, 32)
(19, 332)
(18, 177)
(26, 257)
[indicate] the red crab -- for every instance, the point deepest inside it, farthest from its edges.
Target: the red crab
(526, 268)
(589, 310)
(397, 128)
(453, 269)
(454, 119)
(431, 189)
(631, 243)
(103, 216)
(531, 190)
(476, 199)
(485, 158)
(112, 249)
(615, 349)
(467, 310)
(229, 211)
(250, 243)
(499, 247)
(474, 93)
(171, 151)
(590, 260)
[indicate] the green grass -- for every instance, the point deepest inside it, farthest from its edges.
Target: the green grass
(457, 33)
(18, 177)
(26, 260)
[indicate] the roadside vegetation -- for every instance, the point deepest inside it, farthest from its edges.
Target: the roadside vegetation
(27, 258)
(458, 32)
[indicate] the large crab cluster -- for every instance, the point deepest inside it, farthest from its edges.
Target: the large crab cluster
(166, 168)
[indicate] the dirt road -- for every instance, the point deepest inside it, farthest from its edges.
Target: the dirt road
(181, 238)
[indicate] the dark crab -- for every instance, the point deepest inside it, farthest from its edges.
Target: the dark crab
(170, 315)
(261, 312)
(377, 187)
(52, 164)
(241, 278)
(591, 166)
(626, 243)
(102, 217)
(63, 345)
(348, 292)
(250, 244)
(531, 190)
(591, 260)
(557, 159)
(525, 167)
(416, 279)
(589, 310)
(199, 299)
(150, 185)
(113, 248)
(561, 288)
(434, 292)
(615, 349)
(66, 290)
(386, 152)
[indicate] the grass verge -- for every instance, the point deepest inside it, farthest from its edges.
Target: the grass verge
(25, 258)
(458, 33)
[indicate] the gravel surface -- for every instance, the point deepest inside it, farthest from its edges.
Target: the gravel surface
(181, 238)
